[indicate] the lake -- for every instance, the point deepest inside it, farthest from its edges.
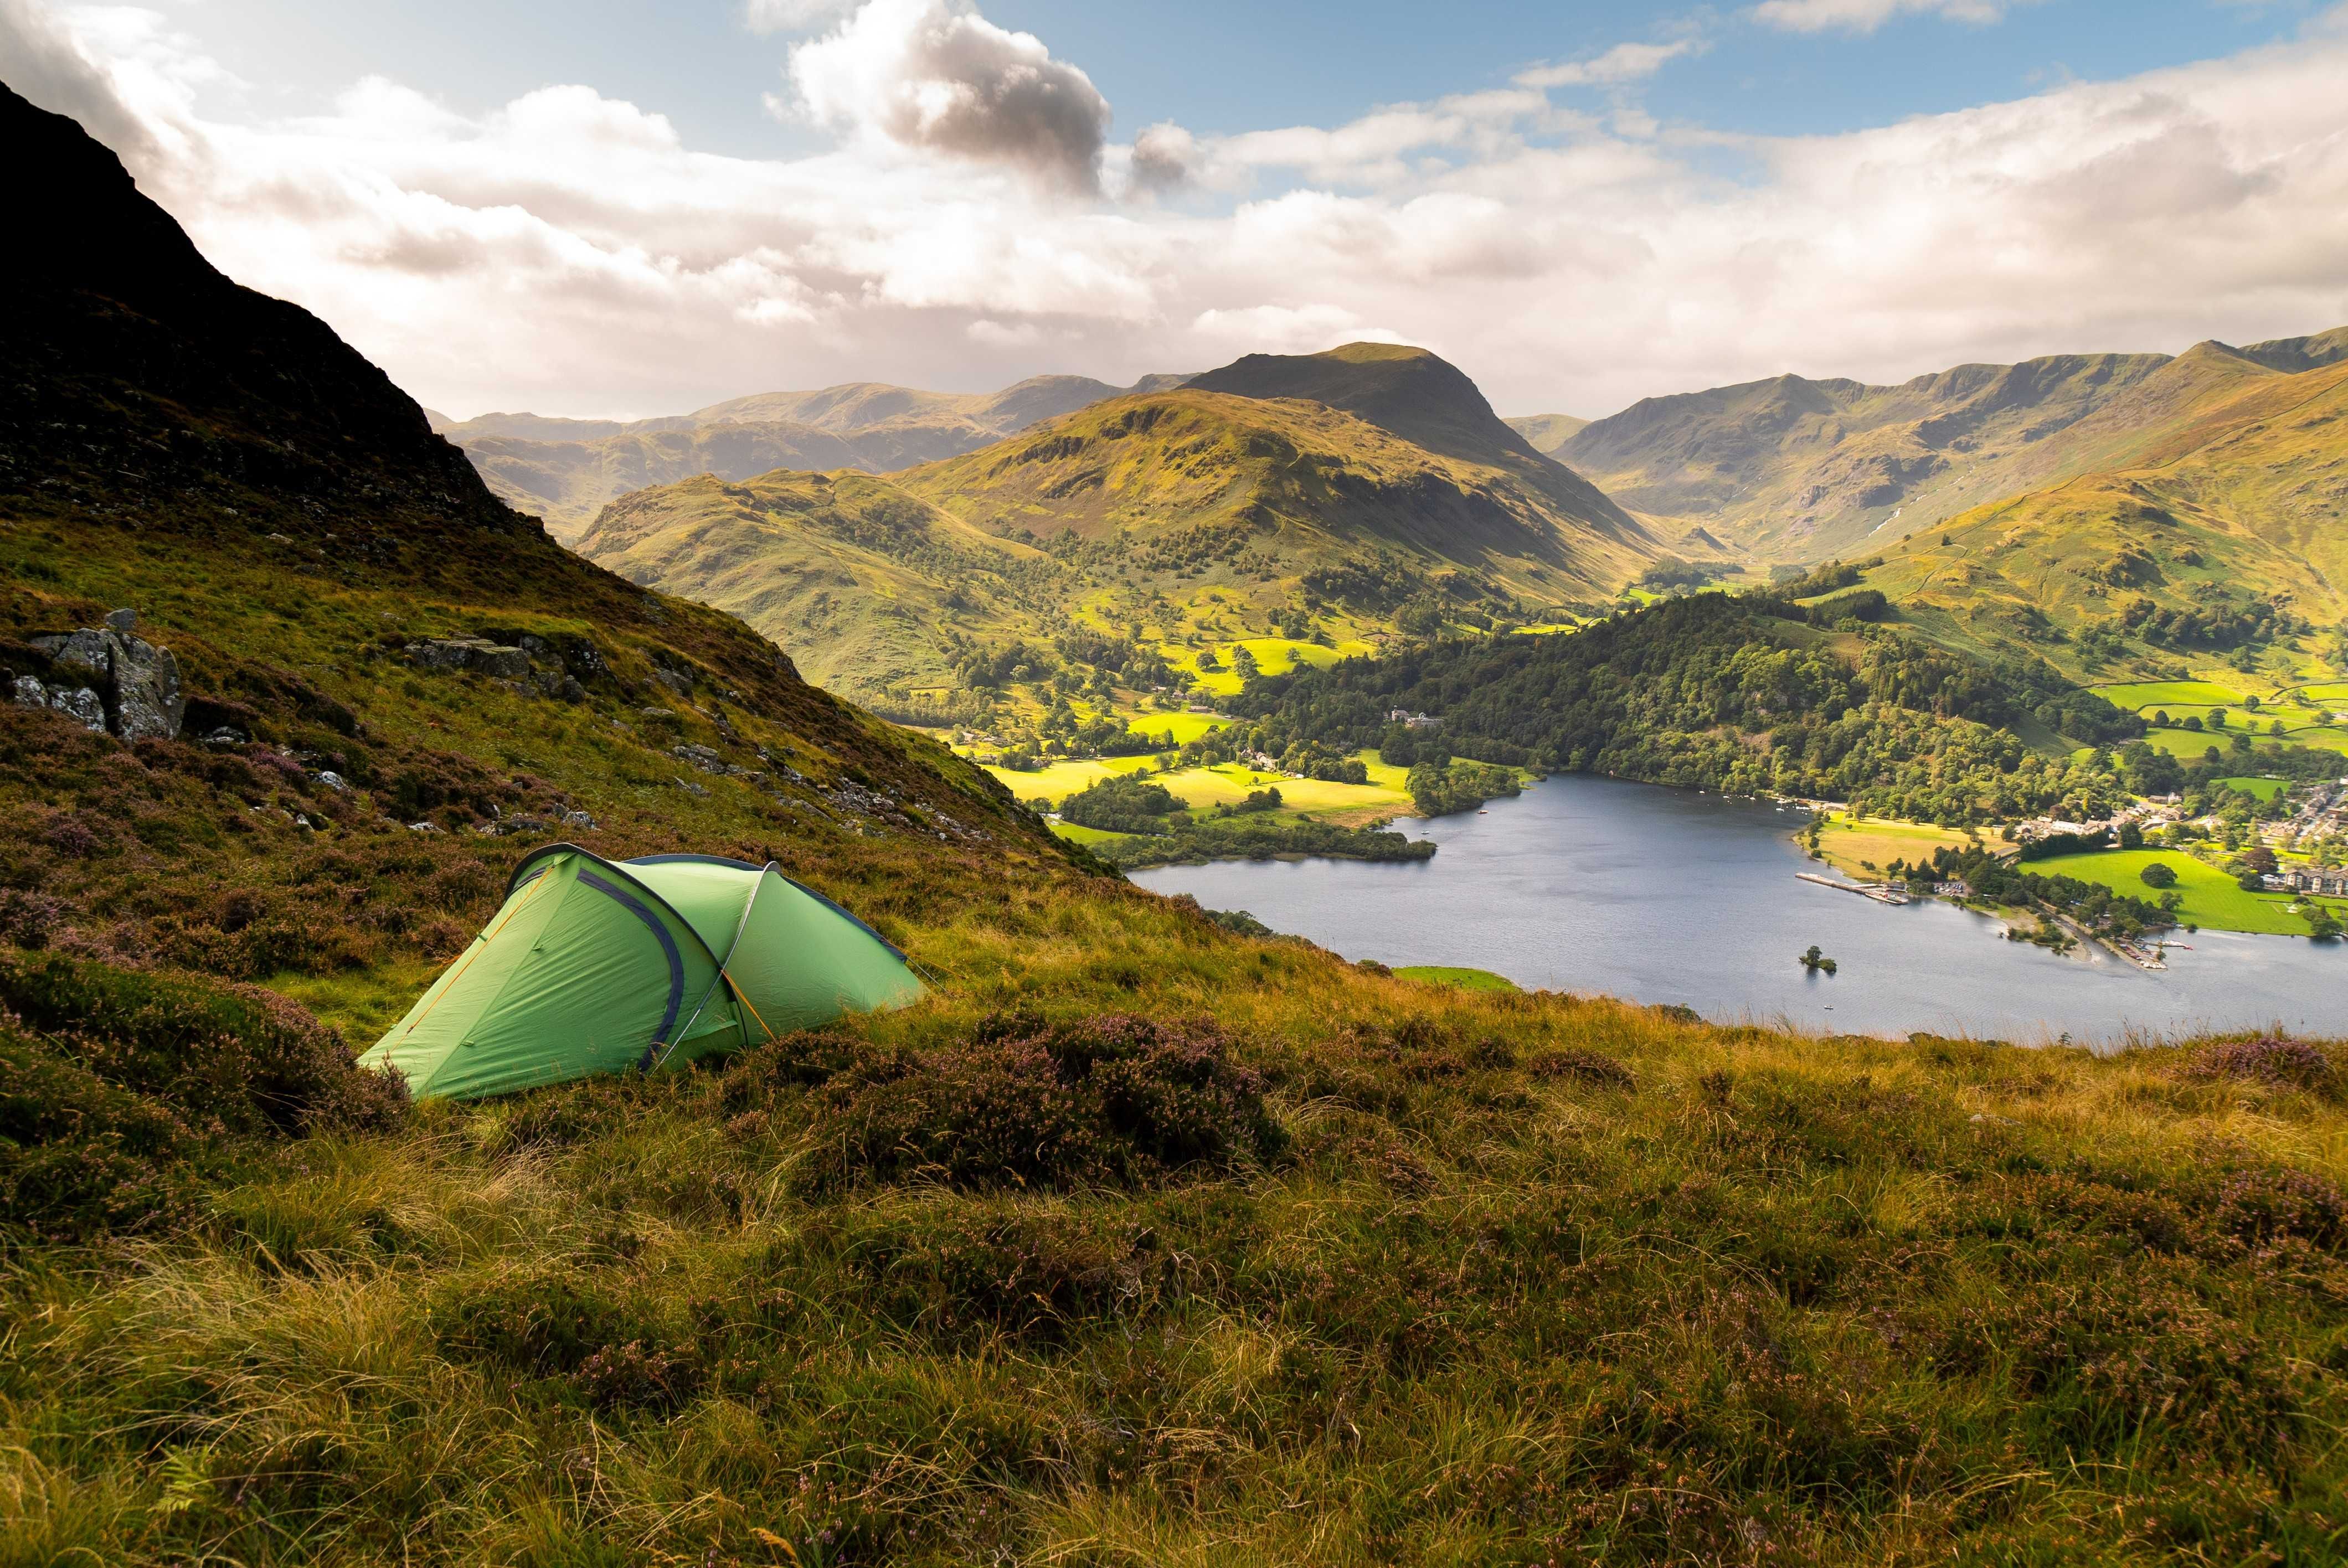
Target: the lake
(1598, 886)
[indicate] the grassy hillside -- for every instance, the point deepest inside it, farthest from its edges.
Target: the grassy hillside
(567, 470)
(1801, 470)
(1138, 1240)
(1413, 1275)
(872, 585)
(281, 519)
(1182, 521)
(2217, 538)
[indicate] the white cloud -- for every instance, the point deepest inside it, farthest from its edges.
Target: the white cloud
(1165, 157)
(1286, 329)
(578, 255)
(790, 16)
(1622, 63)
(934, 76)
(1867, 15)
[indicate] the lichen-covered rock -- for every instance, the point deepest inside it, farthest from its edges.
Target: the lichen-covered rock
(79, 702)
(478, 654)
(111, 680)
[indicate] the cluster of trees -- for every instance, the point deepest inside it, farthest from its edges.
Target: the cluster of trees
(1194, 549)
(1438, 789)
(1257, 800)
(1714, 691)
(2217, 624)
(1860, 604)
(1121, 806)
(1791, 582)
(1670, 574)
(1289, 751)
(1259, 838)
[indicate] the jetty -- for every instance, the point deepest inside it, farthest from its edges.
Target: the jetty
(1881, 892)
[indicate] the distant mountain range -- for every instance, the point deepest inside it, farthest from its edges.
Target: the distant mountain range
(1342, 485)
(1324, 494)
(1796, 470)
(567, 470)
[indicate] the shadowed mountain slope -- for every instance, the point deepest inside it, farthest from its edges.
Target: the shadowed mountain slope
(1430, 403)
(385, 670)
(1792, 469)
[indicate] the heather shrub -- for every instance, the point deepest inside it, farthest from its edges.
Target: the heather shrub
(1584, 1066)
(1107, 1101)
(2107, 1361)
(2274, 1060)
(540, 1323)
(79, 1156)
(1036, 1276)
(2263, 1207)
(228, 1059)
(123, 1091)
(629, 1375)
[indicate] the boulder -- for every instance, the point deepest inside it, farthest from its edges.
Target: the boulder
(113, 680)
(80, 702)
(478, 654)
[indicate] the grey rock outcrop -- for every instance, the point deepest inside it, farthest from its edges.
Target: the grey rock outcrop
(531, 662)
(110, 679)
(478, 654)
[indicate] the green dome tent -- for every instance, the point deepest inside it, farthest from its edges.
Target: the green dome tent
(597, 966)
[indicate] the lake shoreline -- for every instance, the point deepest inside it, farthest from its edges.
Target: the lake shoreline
(1657, 895)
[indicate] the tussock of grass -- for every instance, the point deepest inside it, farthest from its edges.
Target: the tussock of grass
(1502, 1277)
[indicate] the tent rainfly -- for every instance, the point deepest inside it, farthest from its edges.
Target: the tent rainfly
(644, 965)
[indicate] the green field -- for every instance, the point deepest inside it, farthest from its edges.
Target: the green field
(1227, 784)
(1274, 656)
(2211, 897)
(1464, 979)
(2187, 743)
(1060, 780)
(2158, 694)
(1087, 836)
(2332, 694)
(1862, 846)
(1231, 783)
(2334, 736)
(2237, 716)
(1184, 727)
(2265, 789)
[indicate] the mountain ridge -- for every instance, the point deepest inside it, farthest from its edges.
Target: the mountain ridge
(1174, 511)
(569, 469)
(1796, 468)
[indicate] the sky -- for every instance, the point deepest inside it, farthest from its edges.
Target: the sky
(622, 208)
